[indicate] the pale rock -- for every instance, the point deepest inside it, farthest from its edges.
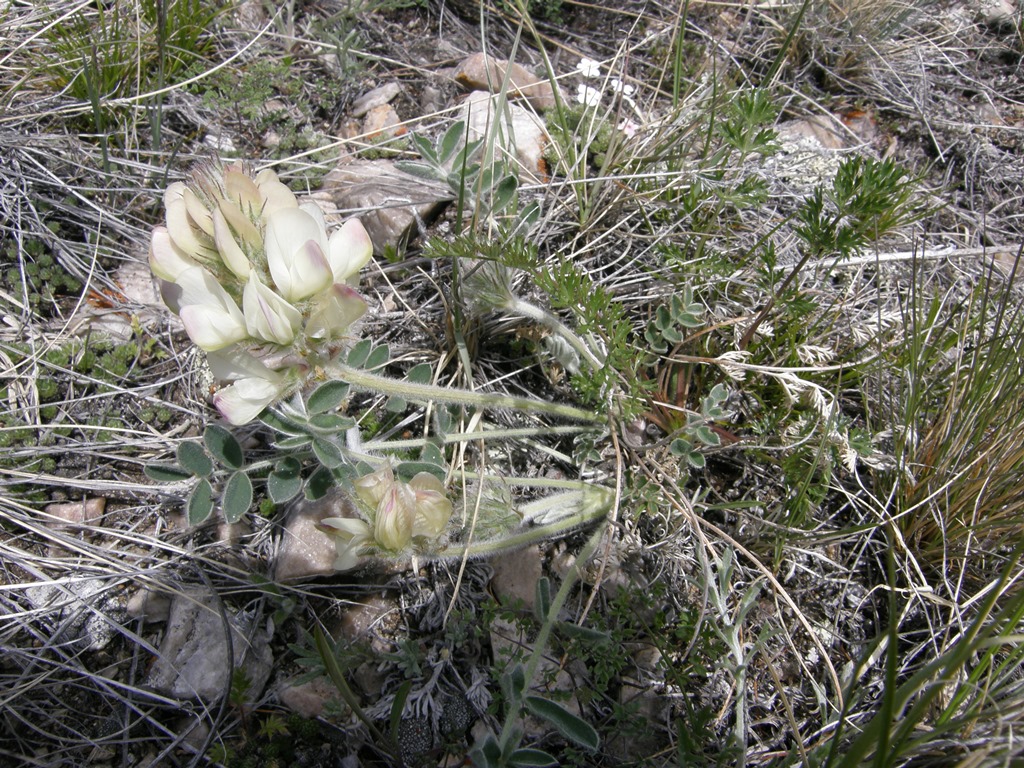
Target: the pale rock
(195, 734)
(75, 514)
(382, 122)
(232, 534)
(370, 680)
(516, 575)
(643, 693)
(81, 612)
(828, 133)
(480, 72)
(271, 139)
(136, 285)
(251, 15)
(519, 134)
(648, 659)
(194, 661)
(375, 619)
(134, 301)
(377, 97)
(305, 551)
(989, 113)
(308, 699)
(997, 14)
(432, 100)
(393, 206)
(149, 605)
(648, 705)
(220, 142)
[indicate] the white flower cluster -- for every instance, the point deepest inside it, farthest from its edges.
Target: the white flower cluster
(590, 96)
(257, 282)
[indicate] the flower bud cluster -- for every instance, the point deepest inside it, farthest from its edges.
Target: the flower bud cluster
(257, 282)
(399, 516)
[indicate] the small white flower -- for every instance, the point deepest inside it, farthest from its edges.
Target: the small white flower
(392, 525)
(244, 400)
(230, 252)
(253, 386)
(167, 260)
(403, 511)
(589, 68)
(210, 316)
(182, 227)
(628, 128)
(233, 238)
(276, 195)
(588, 96)
(352, 536)
(620, 87)
(296, 245)
(335, 311)
(433, 509)
(348, 250)
(267, 315)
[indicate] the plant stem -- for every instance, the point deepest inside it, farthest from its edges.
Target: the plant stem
(361, 379)
(540, 644)
(749, 333)
(538, 315)
(590, 512)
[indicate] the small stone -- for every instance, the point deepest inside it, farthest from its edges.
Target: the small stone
(382, 123)
(232, 534)
(373, 619)
(194, 662)
(825, 132)
(271, 139)
(305, 551)
(377, 97)
(648, 659)
(997, 14)
(393, 206)
(81, 612)
(520, 134)
(370, 680)
(77, 513)
(307, 699)
(220, 142)
(480, 72)
(649, 706)
(516, 575)
(431, 100)
(149, 605)
(273, 107)
(195, 733)
(251, 15)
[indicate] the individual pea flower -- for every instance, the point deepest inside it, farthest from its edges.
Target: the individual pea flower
(401, 516)
(259, 283)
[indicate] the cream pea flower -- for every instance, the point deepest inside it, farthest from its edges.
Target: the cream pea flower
(296, 245)
(400, 517)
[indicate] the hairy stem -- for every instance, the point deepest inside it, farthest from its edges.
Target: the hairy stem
(538, 315)
(427, 392)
